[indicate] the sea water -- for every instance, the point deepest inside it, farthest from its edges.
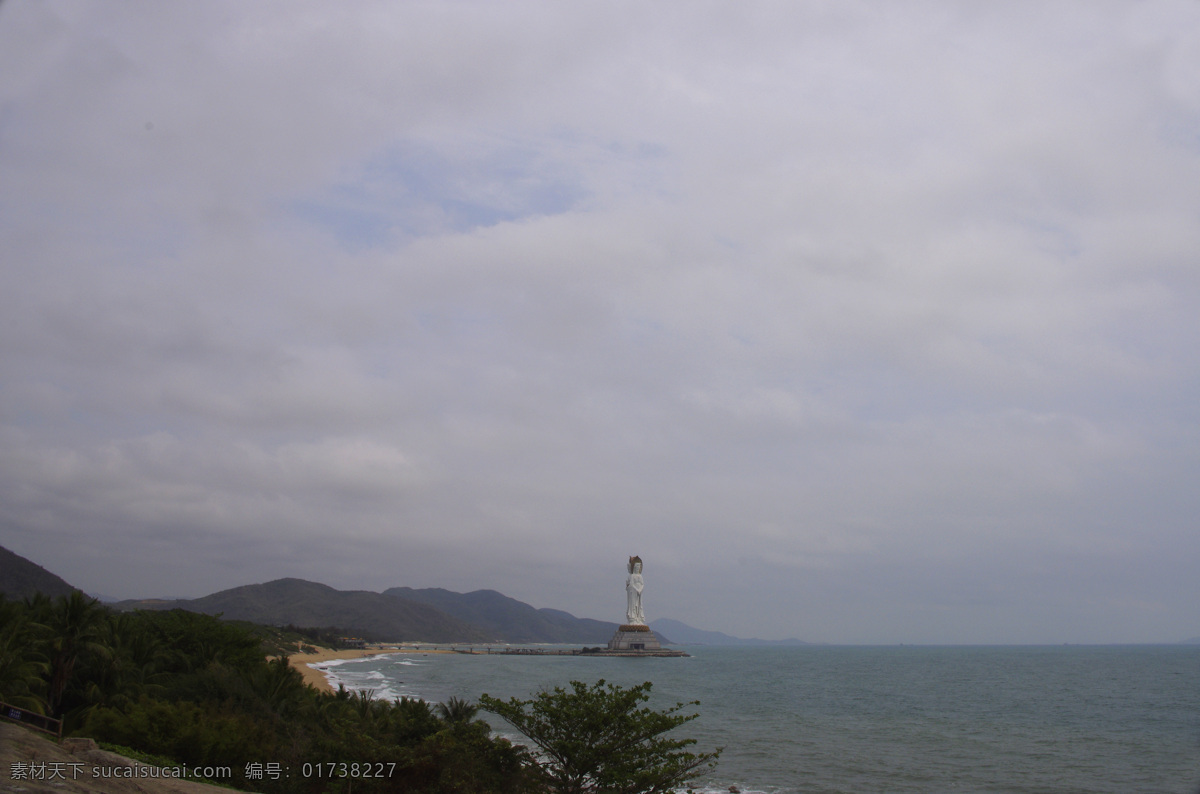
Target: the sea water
(1042, 720)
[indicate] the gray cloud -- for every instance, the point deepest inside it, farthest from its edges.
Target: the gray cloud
(857, 323)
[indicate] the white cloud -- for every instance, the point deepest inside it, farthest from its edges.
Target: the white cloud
(871, 294)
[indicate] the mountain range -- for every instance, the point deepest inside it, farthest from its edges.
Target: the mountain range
(400, 614)
(20, 578)
(372, 616)
(397, 614)
(508, 618)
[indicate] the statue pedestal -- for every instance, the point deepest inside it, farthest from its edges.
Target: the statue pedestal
(634, 637)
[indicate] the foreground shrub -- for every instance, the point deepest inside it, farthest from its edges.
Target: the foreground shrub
(601, 739)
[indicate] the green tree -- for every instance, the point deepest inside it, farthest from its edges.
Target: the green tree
(77, 625)
(197, 641)
(457, 711)
(130, 666)
(22, 668)
(602, 739)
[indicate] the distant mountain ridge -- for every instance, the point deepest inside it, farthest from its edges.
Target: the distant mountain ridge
(21, 578)
(372, 616)
(509, 620)
(397, 614)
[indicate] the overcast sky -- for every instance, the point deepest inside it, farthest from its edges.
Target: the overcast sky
(859, 322)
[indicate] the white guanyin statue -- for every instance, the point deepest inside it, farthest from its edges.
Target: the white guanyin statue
(633, 594)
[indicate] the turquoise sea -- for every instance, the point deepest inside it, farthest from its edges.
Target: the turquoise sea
(1043, 720)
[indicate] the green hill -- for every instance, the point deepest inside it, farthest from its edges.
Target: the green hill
(397, 614)
(371, 616)
(20, 578)
(509, 620)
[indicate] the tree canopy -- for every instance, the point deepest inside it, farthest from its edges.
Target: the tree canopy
(199, 691)
(601, 738)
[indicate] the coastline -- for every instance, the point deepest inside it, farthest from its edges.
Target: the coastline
(302, 661)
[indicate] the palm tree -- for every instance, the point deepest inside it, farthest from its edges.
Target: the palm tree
(280, 685)
(22, 668)
(76, 623)
(457, 711)
(131, 664)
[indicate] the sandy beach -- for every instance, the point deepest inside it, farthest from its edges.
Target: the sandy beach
(301, 661)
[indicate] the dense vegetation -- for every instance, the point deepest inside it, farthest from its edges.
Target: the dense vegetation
(205, 692)
(202, 692)
(602, 739)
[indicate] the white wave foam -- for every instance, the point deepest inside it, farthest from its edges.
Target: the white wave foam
(338, 662)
